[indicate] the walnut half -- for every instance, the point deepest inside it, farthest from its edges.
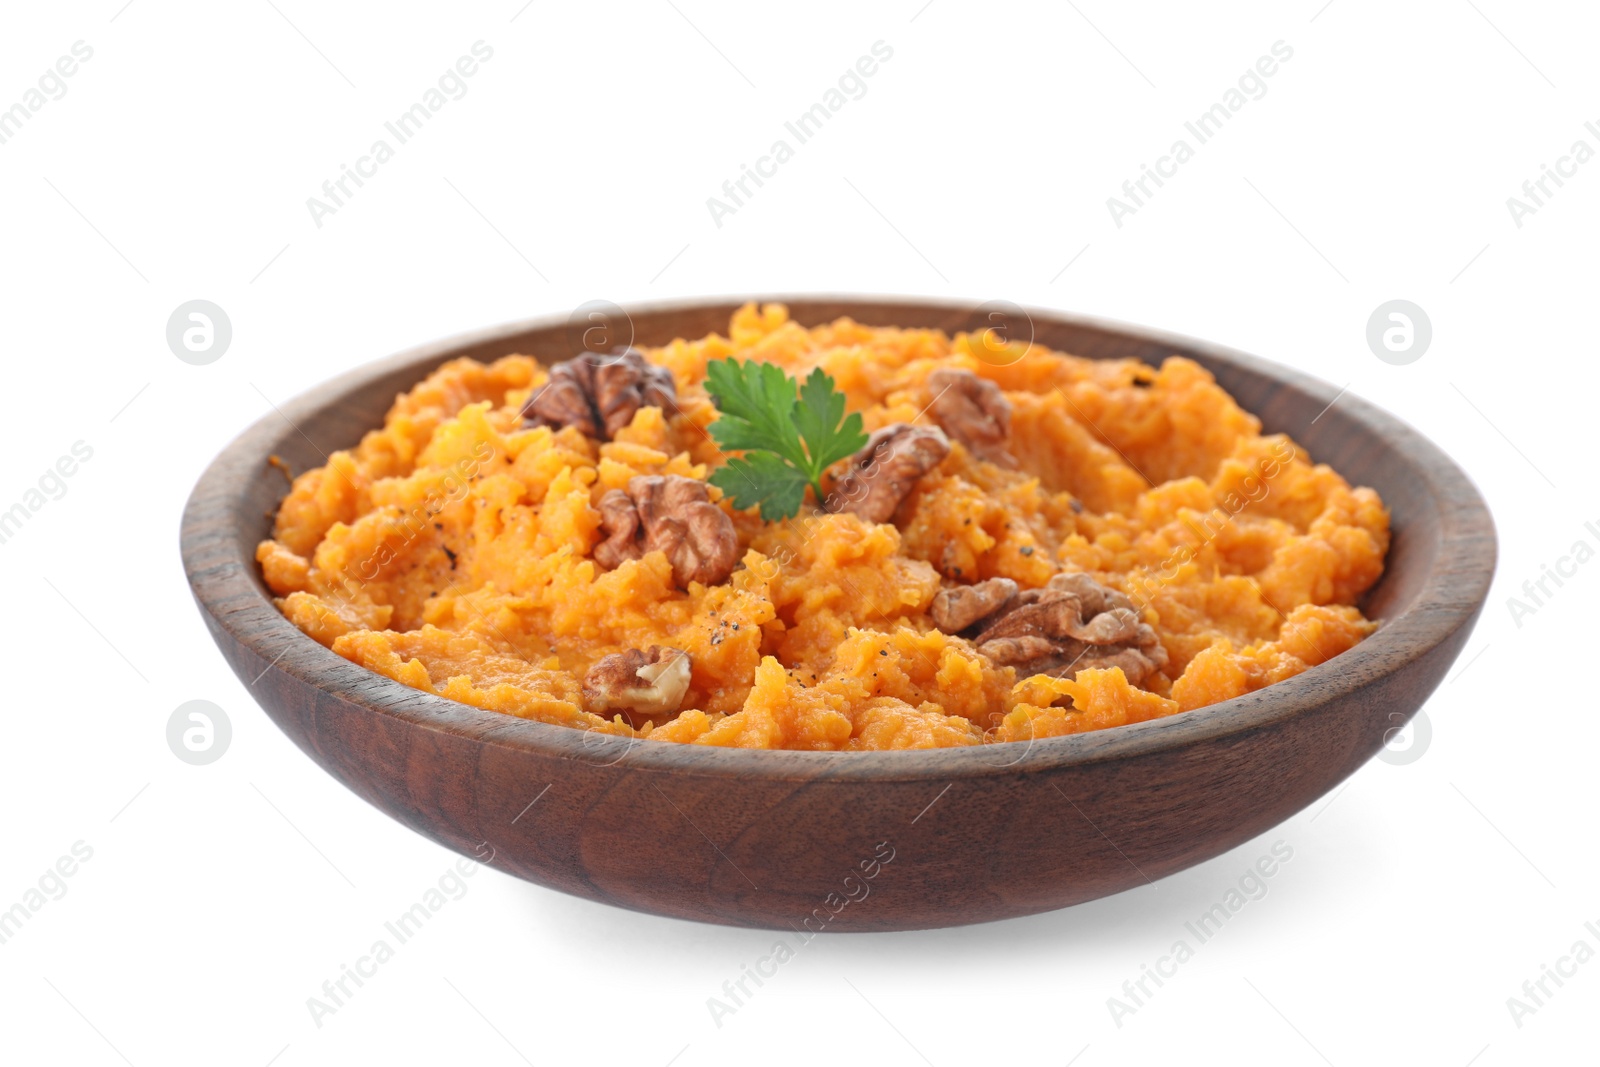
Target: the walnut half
(647, 684)
(883, 472)
(672, 514)
(958, 607)
(974, 411)
(601, 394)
(1072, 624)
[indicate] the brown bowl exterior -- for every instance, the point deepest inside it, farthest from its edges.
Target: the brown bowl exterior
(809, 841)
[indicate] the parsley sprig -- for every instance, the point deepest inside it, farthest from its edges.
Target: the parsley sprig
(789, 434)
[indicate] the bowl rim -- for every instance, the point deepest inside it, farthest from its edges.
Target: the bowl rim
(1440, 607)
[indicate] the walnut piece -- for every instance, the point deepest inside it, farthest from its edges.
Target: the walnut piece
(647, 684)
(620, 519)
(601, 394)
(958, 607)
(974, 411)
(883, 472)
(1072, 624)
(672, 514)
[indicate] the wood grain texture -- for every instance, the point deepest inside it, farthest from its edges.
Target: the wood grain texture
(768, 838)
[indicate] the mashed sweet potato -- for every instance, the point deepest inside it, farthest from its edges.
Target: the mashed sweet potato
(451, 550)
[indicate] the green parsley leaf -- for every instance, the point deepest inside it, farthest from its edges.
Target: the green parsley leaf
(789, 434)
(757, 403)
(762, 478)
(818, 420)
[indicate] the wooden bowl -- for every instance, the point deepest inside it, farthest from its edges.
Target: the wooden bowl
(811, 841)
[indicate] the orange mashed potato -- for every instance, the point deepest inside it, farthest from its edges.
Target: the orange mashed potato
(451, 549)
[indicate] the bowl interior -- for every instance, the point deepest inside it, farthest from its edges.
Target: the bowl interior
(1437, 572)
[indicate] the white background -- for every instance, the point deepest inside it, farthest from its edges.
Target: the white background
(177, 166)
